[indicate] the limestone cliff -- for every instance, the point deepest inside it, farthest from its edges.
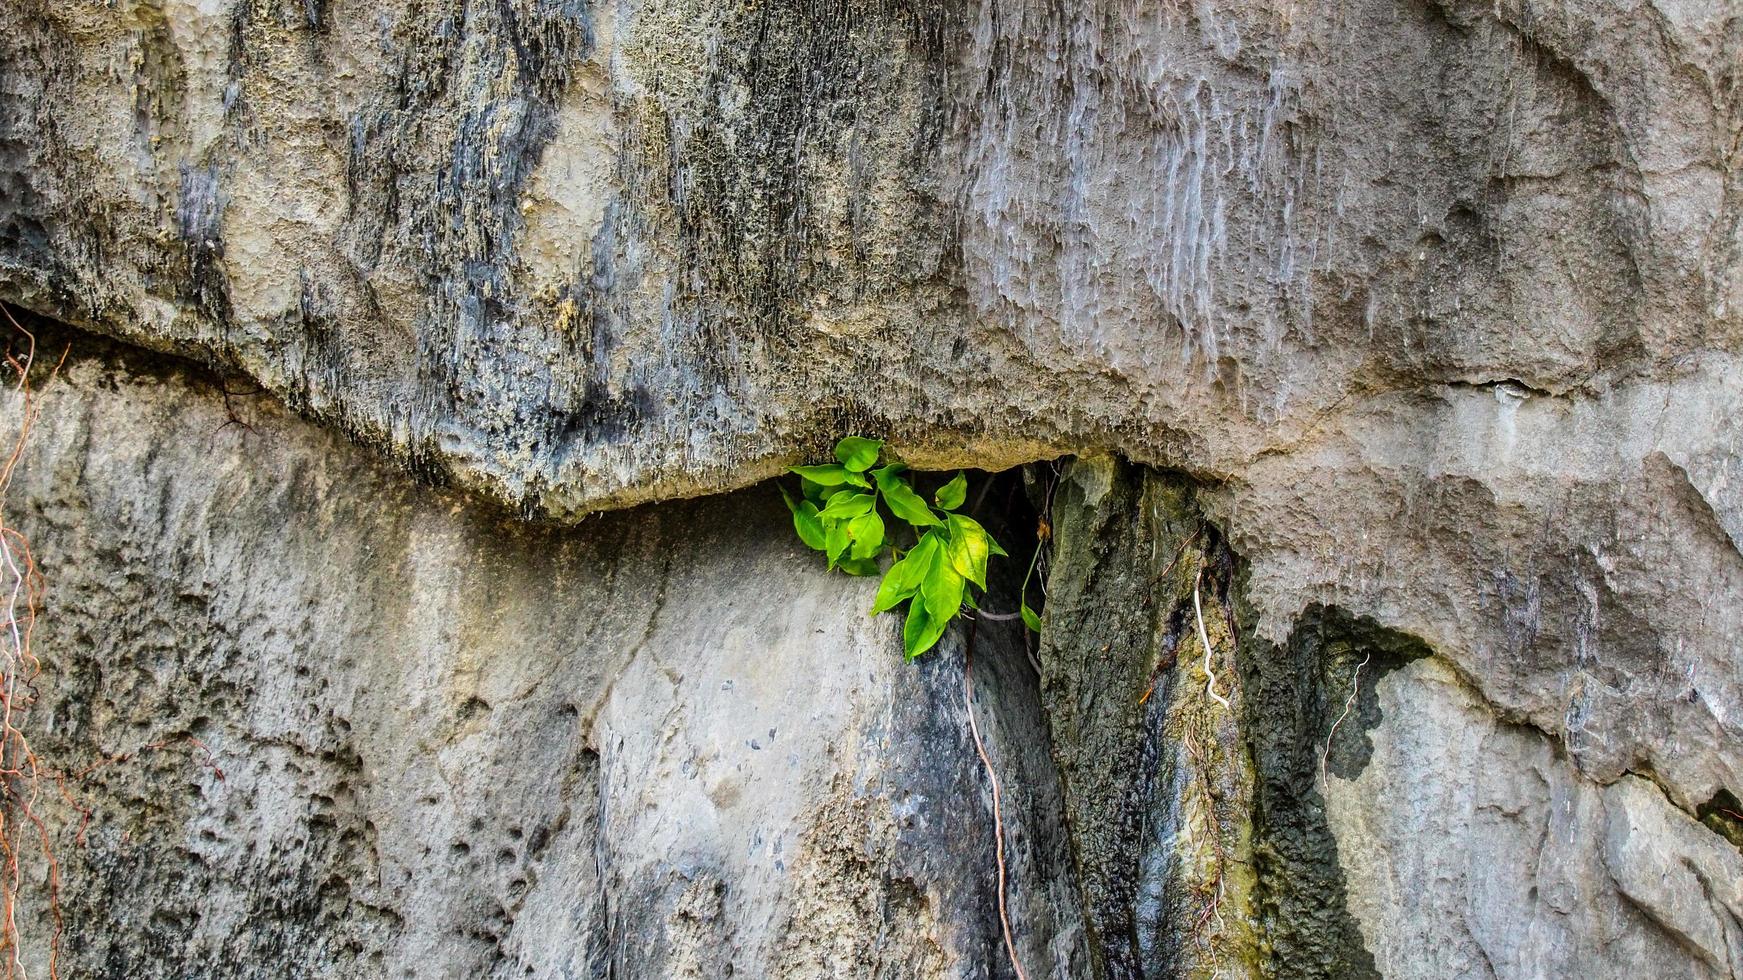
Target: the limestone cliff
(1404, 337)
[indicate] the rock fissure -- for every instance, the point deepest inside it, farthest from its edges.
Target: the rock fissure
(1387, 357)
(1176, 837)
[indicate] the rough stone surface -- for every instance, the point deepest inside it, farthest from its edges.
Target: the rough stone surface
(1157, 785)
(444, 743)
(581, 254)
(1360, 808)
(1430, 312)
(1502, 860)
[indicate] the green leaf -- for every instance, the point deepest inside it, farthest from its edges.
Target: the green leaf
(904, 577)
(942, 589)
(845, 506)
(912, 628)
(922, 630)
(927, 569)
(902, 500)
(891, 591)
(951, 495)
(1002, 553)
(835, 540)
(862, 567)
(1031, 618)
(867, 531)
(810, 529)
(805, 520)
(969, 548)
(857, 454)
(829, 475)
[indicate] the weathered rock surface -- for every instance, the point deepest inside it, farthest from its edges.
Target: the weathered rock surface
(443, 743)
(1502, 859)
(1432, 313)
(580, 254)
(1360, 808)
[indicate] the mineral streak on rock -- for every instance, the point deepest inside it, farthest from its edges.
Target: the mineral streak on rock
(1420, 323)
(580, 255)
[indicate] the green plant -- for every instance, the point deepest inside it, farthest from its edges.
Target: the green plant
(840, 512)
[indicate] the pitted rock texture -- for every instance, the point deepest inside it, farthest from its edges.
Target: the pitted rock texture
(371, 731)
(1437, 306)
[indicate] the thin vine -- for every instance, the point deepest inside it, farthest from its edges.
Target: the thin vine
(21, 773)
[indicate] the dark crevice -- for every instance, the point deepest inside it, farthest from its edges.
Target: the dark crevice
(245, 400)
(1010, 714)
(1723, 815)
(1510, 387)
(1132, 546)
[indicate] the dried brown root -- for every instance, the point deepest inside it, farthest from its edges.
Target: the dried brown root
(998, 812)
(21, 773)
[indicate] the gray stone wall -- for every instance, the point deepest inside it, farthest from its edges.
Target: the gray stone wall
(1414, 328)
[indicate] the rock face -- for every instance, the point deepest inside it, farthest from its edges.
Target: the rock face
(1396, 350)
(582, 254)
(443, 743)
(1535, 870)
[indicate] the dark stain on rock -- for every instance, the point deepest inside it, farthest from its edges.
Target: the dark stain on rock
(1102, 644)
(1293, 695)
(199, 220)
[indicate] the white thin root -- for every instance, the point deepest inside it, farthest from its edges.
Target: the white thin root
(1204, 640)
(1349, 702)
